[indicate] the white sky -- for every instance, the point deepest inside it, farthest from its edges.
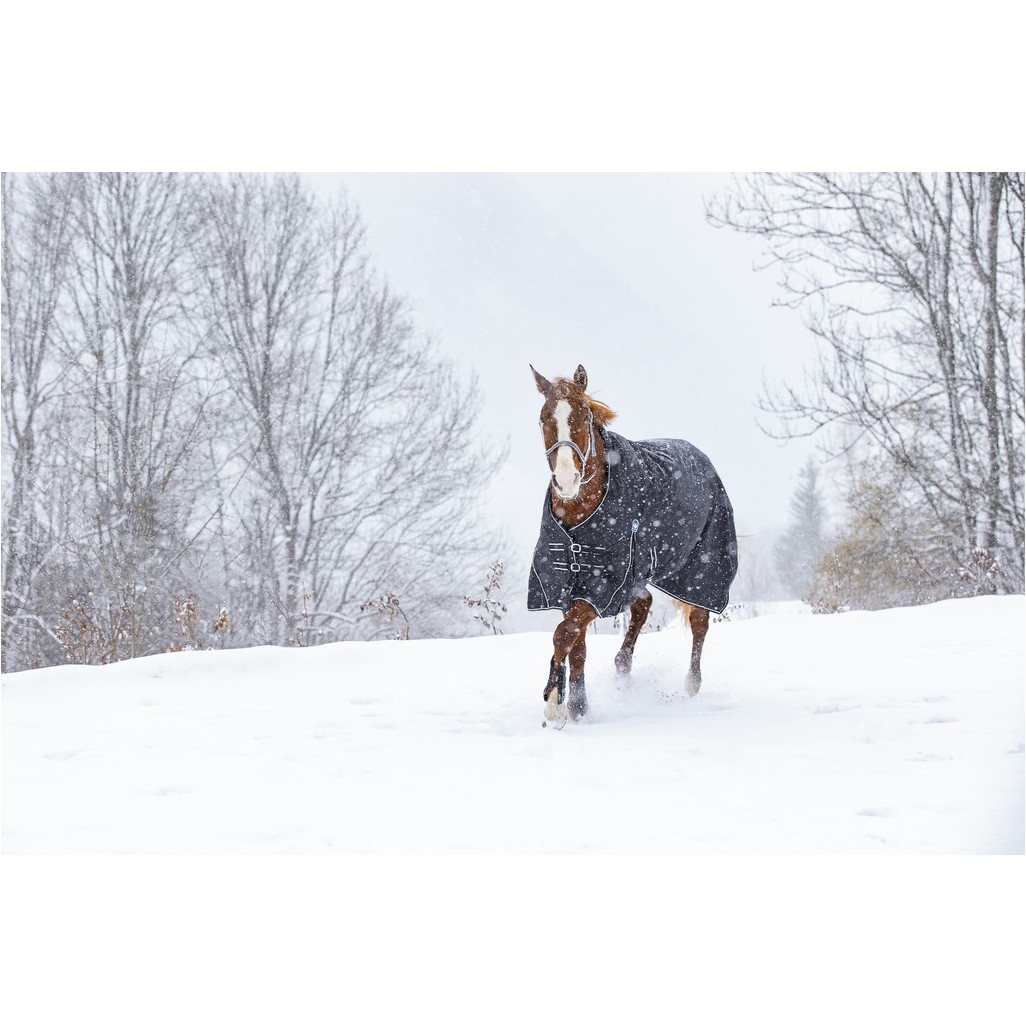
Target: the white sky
(619, 272)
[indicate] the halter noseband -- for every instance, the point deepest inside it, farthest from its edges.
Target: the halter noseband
(576, 449)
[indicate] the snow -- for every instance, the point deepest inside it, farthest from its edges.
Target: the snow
(892, 731)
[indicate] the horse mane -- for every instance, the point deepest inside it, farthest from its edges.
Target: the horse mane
(564, 388)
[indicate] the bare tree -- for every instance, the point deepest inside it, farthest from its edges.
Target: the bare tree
(138, 406)
(36, 246)
(359, 431)
(913, 284)
(219, 425)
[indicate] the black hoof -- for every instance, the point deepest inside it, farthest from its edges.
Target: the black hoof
(577, 703)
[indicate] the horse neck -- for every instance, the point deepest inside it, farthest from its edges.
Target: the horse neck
(588, 498)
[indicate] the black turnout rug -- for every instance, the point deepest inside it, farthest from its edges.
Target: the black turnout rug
(664, 520)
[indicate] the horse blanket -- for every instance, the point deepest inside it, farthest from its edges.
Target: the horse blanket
(664, 520)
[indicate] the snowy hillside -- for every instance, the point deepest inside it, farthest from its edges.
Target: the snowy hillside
(895, 731)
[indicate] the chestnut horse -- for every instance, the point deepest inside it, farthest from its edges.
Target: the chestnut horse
(620, 515)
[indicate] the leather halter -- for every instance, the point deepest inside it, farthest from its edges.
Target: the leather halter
(576, 450)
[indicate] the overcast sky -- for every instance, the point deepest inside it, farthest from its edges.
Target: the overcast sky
(620, 272)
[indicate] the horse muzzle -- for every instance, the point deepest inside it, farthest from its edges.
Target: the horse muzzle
(567, 492)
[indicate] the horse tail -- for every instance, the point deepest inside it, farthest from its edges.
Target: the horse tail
(685, 611)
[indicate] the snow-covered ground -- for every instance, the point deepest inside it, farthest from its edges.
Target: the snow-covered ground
(893, 731)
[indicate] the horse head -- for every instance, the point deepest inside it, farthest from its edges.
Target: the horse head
(569, 420)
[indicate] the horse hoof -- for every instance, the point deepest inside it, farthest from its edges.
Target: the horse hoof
(692, 684)
(577, 701)
(555, 713)
(623, 663)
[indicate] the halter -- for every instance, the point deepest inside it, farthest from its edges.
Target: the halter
(576, 449)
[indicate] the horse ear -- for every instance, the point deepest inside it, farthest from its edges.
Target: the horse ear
(581, 376)
(544, 385)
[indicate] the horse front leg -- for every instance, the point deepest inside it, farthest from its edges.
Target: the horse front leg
(699, 622)
(640, 609)
(569, 640)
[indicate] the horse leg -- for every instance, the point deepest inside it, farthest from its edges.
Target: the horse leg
(640, 608)
(699, 622)
(569, 639)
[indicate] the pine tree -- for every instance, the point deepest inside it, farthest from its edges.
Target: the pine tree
(804, 542)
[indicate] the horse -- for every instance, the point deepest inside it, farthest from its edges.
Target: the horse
(620, 515)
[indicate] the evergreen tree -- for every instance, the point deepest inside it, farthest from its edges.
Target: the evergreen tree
(804, 542)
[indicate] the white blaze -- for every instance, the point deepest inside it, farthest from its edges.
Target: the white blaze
(568, 478)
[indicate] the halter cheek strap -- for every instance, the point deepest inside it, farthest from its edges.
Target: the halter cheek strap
(576, 449)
